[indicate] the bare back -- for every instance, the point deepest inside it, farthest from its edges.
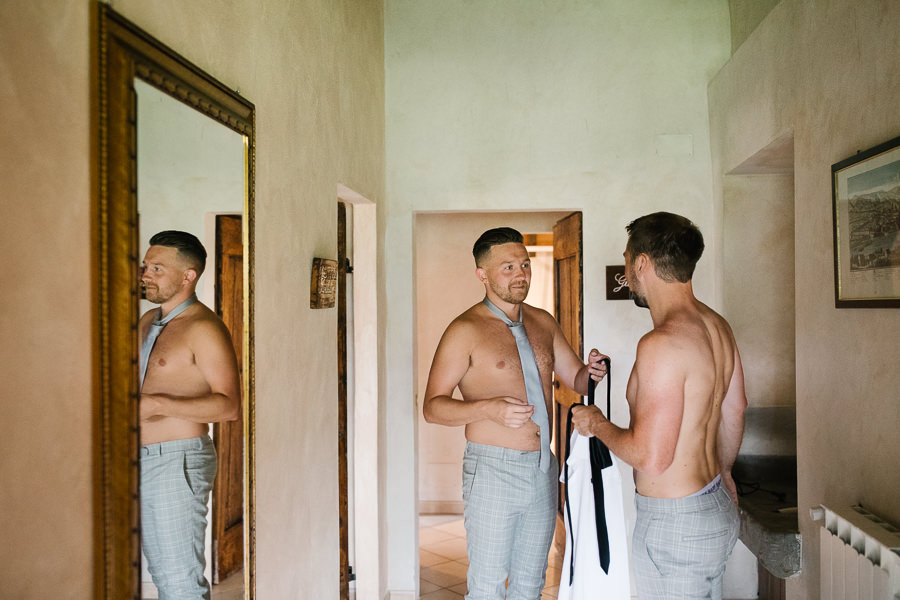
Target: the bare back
(683, 371)
(173, 367)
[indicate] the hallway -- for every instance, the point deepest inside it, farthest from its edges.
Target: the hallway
(443, 560)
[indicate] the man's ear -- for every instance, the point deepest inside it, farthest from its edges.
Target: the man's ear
(641, 263)
(190, 275)
(481, 274)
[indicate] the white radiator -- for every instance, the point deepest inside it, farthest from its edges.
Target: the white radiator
(859, 555)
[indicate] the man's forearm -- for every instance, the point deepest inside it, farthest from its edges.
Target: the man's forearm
(211, 408)
(642, 455)
(581, 380)
(620, 442)
(731, 432)
(449, 411)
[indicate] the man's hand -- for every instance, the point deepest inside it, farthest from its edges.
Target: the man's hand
(596, 369)
(585, 419)
(511, 412)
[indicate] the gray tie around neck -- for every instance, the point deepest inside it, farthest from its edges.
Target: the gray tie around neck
(156, 328)
(533, 386)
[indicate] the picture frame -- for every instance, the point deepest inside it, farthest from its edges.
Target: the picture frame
(866, 213)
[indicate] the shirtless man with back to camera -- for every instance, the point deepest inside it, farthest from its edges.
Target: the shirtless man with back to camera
(687, 401)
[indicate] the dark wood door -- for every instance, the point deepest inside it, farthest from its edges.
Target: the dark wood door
(228, 492)
(569, 303)
(342, 402)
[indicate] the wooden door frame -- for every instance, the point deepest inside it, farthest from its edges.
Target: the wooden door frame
(560, 252)
(121, 52)
(343, 480)
(224, 431)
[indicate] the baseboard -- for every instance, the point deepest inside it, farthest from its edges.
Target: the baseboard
(400, 595)
(440, 507)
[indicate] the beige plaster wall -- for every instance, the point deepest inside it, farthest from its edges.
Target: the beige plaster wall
(45, 308)
(758, 282)
(314, 70)
(512, 106)
(828, 71)
(746, 16)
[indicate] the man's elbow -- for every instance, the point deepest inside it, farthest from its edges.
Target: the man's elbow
(428, 412)
(655, 465)
(233, 413)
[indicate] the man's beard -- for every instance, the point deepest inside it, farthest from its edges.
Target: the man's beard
(513, 295)
(155, 295)
(638, 299)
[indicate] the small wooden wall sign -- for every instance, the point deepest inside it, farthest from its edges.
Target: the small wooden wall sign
(616, 284)
(322, 283)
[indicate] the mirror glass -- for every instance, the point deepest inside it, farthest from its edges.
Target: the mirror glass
(191, 176)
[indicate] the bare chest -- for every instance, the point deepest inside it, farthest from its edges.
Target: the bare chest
(497, 354)
(172, 366)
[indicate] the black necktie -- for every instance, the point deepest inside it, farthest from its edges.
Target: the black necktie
(600, 459)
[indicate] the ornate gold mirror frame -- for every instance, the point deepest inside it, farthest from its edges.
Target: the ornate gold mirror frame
(122, 52)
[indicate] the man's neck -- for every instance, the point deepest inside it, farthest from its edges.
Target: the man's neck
(513, 311)
(166, 307)
(669, 300)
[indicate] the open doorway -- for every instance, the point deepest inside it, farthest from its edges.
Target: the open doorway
(445, 287)
(357, 329)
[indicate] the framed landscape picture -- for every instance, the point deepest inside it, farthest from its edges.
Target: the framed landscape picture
(866, 207)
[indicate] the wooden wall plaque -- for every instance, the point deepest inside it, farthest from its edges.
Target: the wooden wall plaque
(616, 284)
(323, 283)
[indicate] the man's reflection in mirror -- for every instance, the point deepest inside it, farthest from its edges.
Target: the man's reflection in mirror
(189, 378)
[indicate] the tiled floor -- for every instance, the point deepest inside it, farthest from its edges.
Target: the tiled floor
(231, 588)
(443, 561)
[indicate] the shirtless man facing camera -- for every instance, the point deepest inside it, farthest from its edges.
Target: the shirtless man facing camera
(509, 475)
(686, 395)
(189, 378)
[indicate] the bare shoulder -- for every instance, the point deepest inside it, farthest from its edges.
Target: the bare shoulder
(545, 320)
(467, 327)
(205, 327)
(658, 341)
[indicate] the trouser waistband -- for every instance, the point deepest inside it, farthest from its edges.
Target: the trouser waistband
(527, 457)
(716, 500)
(159, 448)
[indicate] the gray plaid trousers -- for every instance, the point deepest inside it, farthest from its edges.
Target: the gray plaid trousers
(510, 515)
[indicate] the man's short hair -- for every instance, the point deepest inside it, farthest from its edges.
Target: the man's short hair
(494, 237)
(189, 247)
(672, 242)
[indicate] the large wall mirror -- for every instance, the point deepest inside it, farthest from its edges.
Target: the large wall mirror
(174, 149)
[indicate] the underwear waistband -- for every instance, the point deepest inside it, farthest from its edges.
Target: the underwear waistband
(710, 487)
